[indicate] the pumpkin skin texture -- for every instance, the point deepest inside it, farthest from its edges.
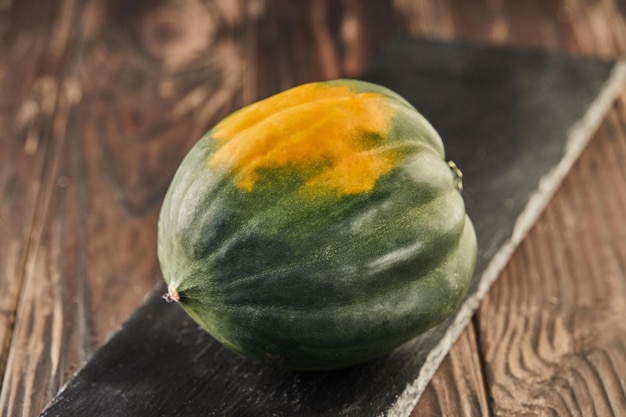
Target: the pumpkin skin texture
(318, 228)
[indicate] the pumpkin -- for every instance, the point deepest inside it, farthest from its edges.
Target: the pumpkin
(317, 228)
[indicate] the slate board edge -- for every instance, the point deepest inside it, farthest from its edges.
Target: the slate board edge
(578, 138)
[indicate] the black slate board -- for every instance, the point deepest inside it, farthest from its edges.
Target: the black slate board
(514, 121)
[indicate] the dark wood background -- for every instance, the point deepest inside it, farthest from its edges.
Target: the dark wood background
(100, 99)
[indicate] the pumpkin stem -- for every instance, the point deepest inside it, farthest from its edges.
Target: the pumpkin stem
(458, 175)
(171, 296)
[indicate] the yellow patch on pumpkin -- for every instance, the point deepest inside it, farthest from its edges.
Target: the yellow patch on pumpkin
(316, 130)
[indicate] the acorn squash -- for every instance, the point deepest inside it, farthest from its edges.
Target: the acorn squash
(318, 228)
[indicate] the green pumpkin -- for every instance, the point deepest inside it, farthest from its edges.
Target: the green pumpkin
(318, 228)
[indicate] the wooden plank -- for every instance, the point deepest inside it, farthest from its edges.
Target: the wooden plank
(339, 45)
(319, 40)
(513, 145)
(128, 108)
(457, 389)
(34, 39)
(556, 340)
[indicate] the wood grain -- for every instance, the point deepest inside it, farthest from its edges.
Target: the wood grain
(100, 112)
(458, 387)
(33, 41)
(138, 88)
(589, 27)
(552, 327)
(575, 26)
(141, 82)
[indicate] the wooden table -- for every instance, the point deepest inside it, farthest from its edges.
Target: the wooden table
(99, 101)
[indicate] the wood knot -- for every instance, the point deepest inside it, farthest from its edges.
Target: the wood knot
(177, 33)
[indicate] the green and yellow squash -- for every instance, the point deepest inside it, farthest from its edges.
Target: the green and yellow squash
(318, 228)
